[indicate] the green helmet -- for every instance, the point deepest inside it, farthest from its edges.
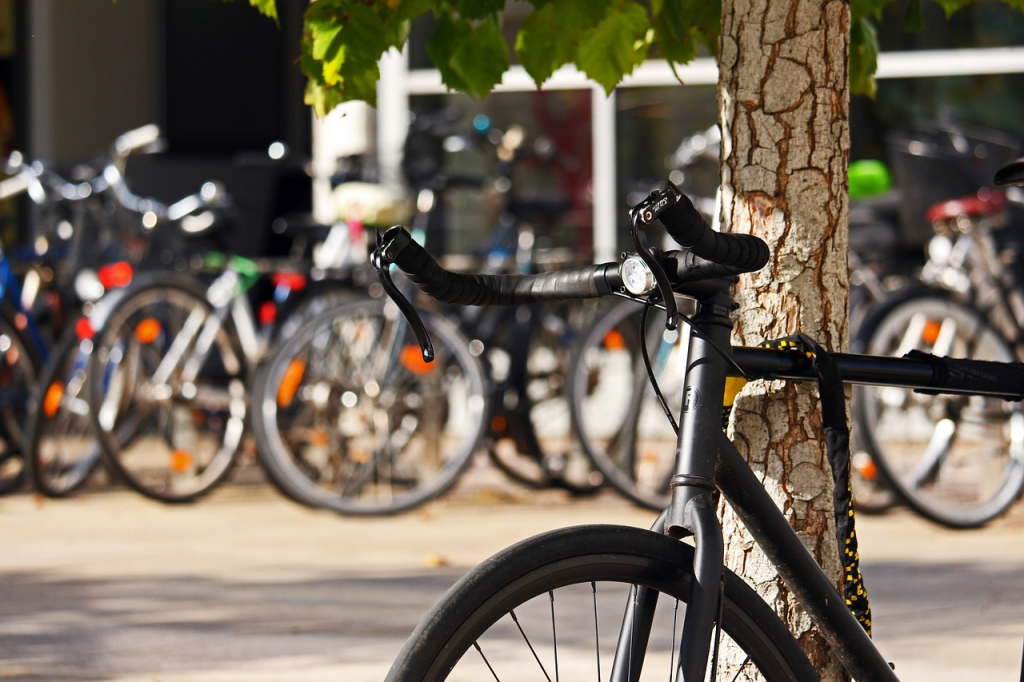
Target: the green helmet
(868, 178)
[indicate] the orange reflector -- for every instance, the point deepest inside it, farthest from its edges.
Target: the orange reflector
(84, 330)
(290, 382)
(866, 468)
(181, 460)
(498, 425)
(930, 333)
(54, 394)
(115, 275)
(148, 330)
(613, 340)
(411, 358)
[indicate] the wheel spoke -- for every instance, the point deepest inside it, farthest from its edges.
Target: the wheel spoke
(935, 452)
(529, 644)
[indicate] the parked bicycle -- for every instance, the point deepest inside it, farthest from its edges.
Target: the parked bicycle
(953, 459)
(348, 418)
(75, 229)
(552, 605)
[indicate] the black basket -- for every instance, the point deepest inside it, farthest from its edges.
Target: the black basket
(944, 162)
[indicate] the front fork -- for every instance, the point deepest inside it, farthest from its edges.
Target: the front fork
(693, 509)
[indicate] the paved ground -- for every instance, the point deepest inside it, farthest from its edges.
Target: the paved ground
(245, 585)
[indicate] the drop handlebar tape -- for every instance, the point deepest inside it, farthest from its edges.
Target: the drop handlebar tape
(590, 281)
(687, 227)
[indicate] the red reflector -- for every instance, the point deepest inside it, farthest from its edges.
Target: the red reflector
(115, 275)
(83, 328)
(268, 313)
(295, 281)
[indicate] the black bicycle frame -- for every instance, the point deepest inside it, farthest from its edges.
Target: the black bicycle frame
(706, 462)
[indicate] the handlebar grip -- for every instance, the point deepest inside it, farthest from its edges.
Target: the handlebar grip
(590, 281)
(953, 375)
(686, 225)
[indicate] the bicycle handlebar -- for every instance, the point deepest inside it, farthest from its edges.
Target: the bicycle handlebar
(591, 281)
(468, 289)
(687, 227)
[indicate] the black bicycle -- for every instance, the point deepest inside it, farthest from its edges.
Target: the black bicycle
(553, 605)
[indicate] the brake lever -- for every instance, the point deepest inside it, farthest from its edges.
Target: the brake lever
(639, 217)
(382, 260)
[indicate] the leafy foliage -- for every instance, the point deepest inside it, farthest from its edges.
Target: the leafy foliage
(343, 40)
(266, 7)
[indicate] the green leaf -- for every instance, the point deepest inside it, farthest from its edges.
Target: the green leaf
(543, 44)
(550, 36)
(323, 99)
(616, 46)
(441, 48)
(680, 25)
(407, 10)
(863, 58)
(478, 9)
(360, 80)
(482, 60)
(267, 8)
(323, 31)
(470, 58)
(862, 9)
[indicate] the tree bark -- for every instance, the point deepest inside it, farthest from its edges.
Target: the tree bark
(783, 100)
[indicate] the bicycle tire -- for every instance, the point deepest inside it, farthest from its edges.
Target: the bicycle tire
(536, 580)
(19, 373)
(172, 440)
(63, 451)
(345, 420)
(956, 460)
(626, 434)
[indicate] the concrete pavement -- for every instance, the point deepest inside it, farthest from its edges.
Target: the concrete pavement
(246, 585)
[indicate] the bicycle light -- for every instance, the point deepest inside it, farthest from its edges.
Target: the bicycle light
(637, 278)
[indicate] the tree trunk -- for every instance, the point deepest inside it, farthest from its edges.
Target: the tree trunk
(783, 101)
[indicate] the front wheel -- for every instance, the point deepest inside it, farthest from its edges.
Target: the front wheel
(552, 607)
(957, 460)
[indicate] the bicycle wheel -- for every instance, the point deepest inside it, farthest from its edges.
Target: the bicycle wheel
(167, 393)
(535, 444)
(551, 607)
(348, 417)
(62, 448)
(957, 460)
(615, 413)
(19, 373)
